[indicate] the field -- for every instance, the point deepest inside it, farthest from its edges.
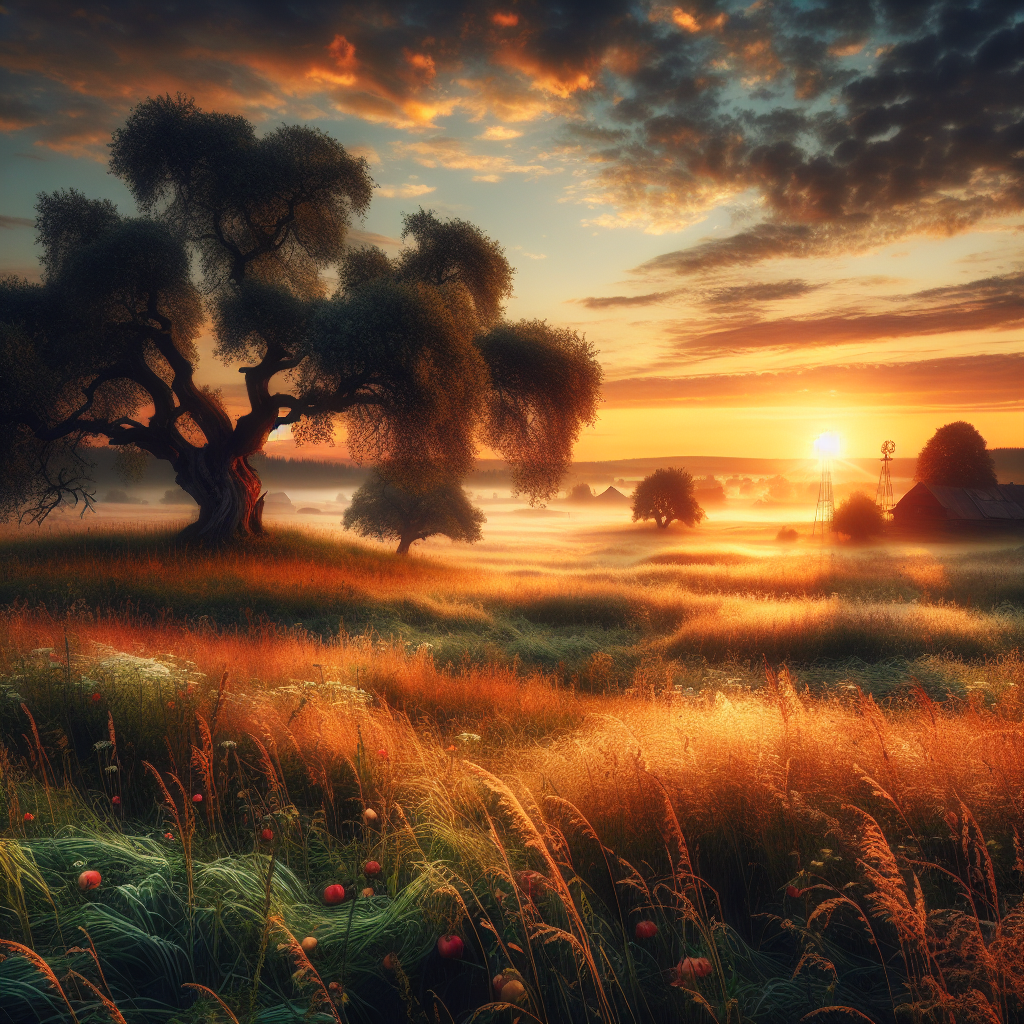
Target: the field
(803, 764)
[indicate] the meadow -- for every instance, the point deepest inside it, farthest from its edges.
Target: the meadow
(798, 768)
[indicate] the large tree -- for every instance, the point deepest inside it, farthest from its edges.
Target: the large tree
(665, 496)
(412, 353)
(955, 455)
(383, 510)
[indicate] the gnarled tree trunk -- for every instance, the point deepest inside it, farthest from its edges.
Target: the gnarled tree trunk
(229, 495)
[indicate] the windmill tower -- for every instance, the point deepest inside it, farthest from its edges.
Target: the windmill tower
(826, 446)
(883, 493)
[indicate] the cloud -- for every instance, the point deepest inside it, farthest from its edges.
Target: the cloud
(746, 294)
(500, 133)
(844, 125)
(408, 191)
(990, 304)
(615, 301)
(963, 382)
(16, 222)
(455, 154)
(358, 237)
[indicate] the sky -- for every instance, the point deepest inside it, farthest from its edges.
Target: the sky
(771, 219)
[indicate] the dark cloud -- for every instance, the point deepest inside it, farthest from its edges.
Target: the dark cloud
(612, 301)
(990, 304)
(746, 294)
(965, 382)
(851, 122)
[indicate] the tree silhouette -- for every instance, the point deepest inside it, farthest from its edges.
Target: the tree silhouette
(955, 455)
(666, 495)
(412, 353)
(859, 518)
(382, 510)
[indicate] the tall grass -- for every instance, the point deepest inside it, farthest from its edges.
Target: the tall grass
(896, 827)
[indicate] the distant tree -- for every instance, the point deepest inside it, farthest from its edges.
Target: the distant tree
(666, 495)
(581, 493)
(412, 353)
(859, 518)
(381, 509)
(955, 455)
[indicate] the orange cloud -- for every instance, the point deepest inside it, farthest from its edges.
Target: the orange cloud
(505, 20)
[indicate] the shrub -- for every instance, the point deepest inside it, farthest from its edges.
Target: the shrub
(859, 517)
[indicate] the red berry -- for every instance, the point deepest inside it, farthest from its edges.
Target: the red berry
(168, 835)
(89, 880)
(371, 869)
(97, 697)
(197, 798)
(28, 816)
(116, 801)
(334, 894)
(267, 835)
(646, 929)
(451, 947)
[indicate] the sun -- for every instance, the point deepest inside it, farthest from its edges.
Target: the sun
(827, 445)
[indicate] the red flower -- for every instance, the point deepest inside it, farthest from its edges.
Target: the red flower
(382, 754)
(688, 970)
(267, 835)
(168, 835)
(97, 697)
(646, 929)
(334, 894)
(28, 816)
(451, 947)
(116, 801)
(89, 880)
(197, 798)
(793, 892)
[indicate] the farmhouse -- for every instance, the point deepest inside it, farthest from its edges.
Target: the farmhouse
(935, 508)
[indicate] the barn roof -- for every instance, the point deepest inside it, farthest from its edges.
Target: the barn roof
(1005, 502)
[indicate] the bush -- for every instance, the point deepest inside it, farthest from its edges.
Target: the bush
(859, 518)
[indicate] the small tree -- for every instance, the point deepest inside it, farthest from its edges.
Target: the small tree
(859, 518)
(955, 455)
(381, 509)
(665, 495)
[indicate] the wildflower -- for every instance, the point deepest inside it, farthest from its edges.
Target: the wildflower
(334, 894)
(168, 835)
(382, 754)
(688, 970)
(116, 801)
(28, 816)
(451, 947)
(89, 880)
(97, 697)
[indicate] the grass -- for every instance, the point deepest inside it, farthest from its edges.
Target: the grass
(551, 759)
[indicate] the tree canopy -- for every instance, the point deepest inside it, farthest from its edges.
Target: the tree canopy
(666, 496)
(955, 455)
(411, 354)
(382, 510)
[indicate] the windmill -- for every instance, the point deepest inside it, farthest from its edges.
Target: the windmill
(883, 493)
(827, 446)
